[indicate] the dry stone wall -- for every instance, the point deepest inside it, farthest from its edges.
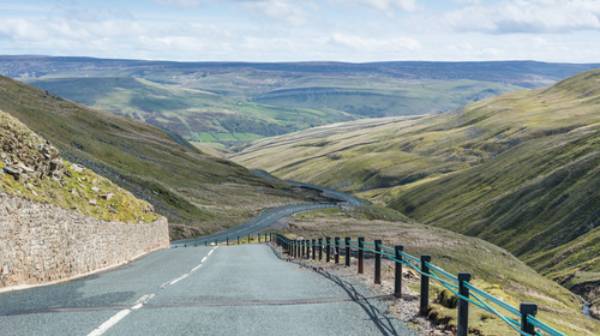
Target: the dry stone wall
(42, 243)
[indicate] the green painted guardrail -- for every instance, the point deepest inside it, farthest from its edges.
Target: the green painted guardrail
(522, 320)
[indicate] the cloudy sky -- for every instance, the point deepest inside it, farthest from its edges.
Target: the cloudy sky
(295, 30)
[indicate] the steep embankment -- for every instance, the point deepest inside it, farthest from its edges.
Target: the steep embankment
(58, 219)
(197, 192)
(520, 170)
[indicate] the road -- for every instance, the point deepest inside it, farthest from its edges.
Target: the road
(261, 222)
(270, 216)
(233, 290)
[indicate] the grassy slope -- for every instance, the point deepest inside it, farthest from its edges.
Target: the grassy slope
(195, 114)
(238, 102)
(72, 190)
(520, 170)
(182, 183)
(494, 269)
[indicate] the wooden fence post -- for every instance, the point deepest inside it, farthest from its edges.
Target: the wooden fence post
(361, 254)
(424, 306)
(377, 262)
(462, 328)
(398, 276)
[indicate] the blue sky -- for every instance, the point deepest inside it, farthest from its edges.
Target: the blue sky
(300, 30)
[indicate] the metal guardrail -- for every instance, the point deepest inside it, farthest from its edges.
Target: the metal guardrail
(522, 320)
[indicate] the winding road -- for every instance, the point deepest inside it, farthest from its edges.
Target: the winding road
(202, 290)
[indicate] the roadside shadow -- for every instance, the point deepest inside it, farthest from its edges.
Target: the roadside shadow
(381, 319)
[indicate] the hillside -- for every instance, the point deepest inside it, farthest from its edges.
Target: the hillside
(493, 268)
(196, 192)
(520, 170)
(229, 103)
(31, 168)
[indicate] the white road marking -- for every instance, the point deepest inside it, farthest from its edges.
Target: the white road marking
(179, 279)
(110, 323)
(142, 300)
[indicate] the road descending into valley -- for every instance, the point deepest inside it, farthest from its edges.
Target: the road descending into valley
(224, 290)
(192, 289)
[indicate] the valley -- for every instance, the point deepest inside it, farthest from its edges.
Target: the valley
(519, 170)
(232, 103)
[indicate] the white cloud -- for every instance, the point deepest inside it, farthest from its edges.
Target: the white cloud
(286, 10)
(533, 16)
(180, 3)
(385, 5)
(370, 44)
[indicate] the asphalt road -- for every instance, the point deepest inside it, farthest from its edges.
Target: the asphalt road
(259, 223)
(234, 290)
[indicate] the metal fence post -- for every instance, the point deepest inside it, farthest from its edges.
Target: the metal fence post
(527, 309)
(361, 254)
(398, 276)
(462, 328)
(347, 243)
(378, 262)
(227, 241)
(337, 250)
(424, 306)
(327, 249)
(320, 249)
(314, 249)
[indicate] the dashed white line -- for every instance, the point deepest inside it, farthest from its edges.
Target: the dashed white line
(174, 281)
(142, 301)
(110, 323)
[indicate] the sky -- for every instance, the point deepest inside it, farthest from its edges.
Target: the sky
(304, 30)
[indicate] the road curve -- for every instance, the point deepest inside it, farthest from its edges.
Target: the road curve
(225, 290)
(265, 219)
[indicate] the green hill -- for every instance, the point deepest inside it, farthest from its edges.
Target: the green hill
(196, 192)
(232, 102)
(520, 170)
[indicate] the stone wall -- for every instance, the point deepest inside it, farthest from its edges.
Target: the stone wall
(42, 243)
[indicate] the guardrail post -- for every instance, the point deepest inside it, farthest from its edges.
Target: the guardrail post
(377, 262)
(295, 248)
(314, 249)
(361, 254)
(527, 309)
(462, 328)
(320, 249)
(337, 250)
(398, 249)
(424, 306)
(327, 249)
(347, 243)
(307, 243)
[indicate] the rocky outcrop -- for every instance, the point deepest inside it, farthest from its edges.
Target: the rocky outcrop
(42, 243)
